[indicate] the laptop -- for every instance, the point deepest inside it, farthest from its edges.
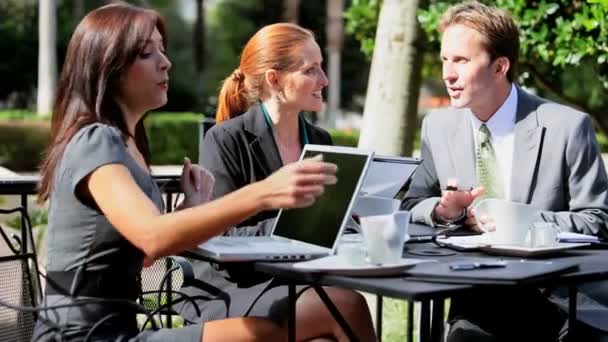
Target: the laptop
(389, 175)
(385, 183)
(303, 233)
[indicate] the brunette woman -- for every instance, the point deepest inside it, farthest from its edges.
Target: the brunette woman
(106, 216)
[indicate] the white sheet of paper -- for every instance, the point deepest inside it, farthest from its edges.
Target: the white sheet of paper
(576, 237)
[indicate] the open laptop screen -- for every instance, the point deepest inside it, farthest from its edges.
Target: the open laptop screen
(321, 223)
(388, 175)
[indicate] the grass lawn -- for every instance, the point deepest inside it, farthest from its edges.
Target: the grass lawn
(394, 320)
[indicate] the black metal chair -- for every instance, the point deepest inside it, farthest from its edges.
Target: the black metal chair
(160, 285)
(20, 285)
(591, 309)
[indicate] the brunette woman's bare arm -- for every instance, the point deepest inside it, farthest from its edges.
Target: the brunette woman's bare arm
(136, 217)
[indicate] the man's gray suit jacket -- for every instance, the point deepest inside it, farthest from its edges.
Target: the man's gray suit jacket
(557, 166)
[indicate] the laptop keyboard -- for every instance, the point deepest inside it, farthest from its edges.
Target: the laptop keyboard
(263, 244)
(244, 241)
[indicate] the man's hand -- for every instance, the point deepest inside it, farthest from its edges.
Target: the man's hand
(453, 203)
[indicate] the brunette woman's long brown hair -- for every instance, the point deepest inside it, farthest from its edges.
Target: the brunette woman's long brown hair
(272, 47)
(104, 44)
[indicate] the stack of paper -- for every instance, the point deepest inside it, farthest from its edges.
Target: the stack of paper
(576, 237)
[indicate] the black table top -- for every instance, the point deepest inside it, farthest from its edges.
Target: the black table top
(591, 266)
(18, 185)
(396, 287)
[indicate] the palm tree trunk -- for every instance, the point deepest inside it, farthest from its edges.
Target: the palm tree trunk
(390, 114)
(78, 10)
(335, 34)
(199, 52)
(47, 56)
(291, 10)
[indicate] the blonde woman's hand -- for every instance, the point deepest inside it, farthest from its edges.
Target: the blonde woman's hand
(197, 184)
(298, 184)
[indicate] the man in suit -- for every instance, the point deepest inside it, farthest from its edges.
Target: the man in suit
(503, 143)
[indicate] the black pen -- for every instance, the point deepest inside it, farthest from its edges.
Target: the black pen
(467, 266)
(456, 188)
(421, 239)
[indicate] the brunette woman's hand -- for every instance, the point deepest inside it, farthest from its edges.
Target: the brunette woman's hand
(298, 184)
(197, 184)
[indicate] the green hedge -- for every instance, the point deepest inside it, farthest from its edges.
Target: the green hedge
(18, 114)
(23, 138)
(173, 136)
(22, 143)
(342, 138)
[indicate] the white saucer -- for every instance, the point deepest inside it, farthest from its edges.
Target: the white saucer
(339, 266)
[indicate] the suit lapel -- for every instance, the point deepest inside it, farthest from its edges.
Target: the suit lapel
(462, 150)
(262, 146)
(526, 147)
(315, 135)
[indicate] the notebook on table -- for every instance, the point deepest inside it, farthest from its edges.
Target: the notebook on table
(303, 233)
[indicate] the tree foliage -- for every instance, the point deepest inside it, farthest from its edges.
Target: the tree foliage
(232, 22)
(394, 96)
(564, 45)
(18, 33)
(361, 22)
(229, 24)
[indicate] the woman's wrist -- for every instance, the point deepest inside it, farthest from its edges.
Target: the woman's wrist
(261, 199)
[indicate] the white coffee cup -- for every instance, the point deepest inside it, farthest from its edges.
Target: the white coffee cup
(543, 234)
(505, 222)
(384, 236)
(351, 249)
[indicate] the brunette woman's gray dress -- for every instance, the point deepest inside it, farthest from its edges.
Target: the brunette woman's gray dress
(82, 244)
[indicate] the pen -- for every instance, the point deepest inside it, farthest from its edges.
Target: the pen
(466, 266)
(456, 188)
(420, 239)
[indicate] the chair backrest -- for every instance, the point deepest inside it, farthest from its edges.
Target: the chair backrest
(158, 278)
(161, 284)
(20, 281)
(204, 127)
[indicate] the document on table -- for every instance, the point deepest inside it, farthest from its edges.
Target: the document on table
(576, 237)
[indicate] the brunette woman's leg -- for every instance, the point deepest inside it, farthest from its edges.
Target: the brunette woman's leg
(243, 329)
(313, 319)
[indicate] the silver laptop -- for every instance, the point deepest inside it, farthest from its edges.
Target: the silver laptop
(389, 175)
(303, 233)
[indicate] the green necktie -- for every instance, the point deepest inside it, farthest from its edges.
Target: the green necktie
(488, 174)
